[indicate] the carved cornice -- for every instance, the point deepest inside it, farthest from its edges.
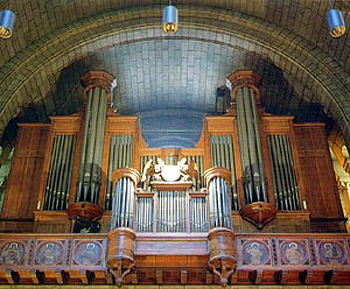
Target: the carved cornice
(244, 78)
(126, 172)
(217, 172)
(97, 78)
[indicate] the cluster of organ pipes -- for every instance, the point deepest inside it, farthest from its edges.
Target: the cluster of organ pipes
(120, 156)
(249, 139)
(172, 211)
(197, 182)
(144, 222)
(123, 204)
(221, 153)
(171, 215)
(89, 180)
(283, 174)
(59, 181)
(198, 215)
(219, 204)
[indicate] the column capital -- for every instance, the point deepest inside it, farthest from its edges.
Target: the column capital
(133, 174)
(243, 78)
(98, 78)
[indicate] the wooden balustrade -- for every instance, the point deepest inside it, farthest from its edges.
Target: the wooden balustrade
(261, 259)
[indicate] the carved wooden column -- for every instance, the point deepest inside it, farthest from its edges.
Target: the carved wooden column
(221, 238)
(120, 258)
(98, 88)
(245, 95)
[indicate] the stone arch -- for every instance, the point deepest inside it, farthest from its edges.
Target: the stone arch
(328, 81)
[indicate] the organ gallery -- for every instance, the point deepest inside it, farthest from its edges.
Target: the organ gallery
(254, 202)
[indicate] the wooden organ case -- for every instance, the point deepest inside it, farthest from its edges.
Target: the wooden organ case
(90, 172)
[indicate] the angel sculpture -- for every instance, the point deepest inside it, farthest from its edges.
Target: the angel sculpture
(187, 171)
(153, 169)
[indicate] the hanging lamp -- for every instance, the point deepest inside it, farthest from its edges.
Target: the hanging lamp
(336, 24)
(170, 19)
(7, 22)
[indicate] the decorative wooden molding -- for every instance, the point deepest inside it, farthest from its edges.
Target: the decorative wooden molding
(120, 259)
(217, 172)
(84, 210)
(202, 193)
(141, 193)
(171, 186)
(259, 213)
(133, 174)
(96, 78)
(222, 258)
(244, 78)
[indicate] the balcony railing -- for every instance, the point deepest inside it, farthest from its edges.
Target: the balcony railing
(261, 259)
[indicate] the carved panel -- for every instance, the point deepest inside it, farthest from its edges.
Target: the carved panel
(13, 253)
(49, 253)
(88, 253)
(255, 253)
(331, 253)
(293, 253)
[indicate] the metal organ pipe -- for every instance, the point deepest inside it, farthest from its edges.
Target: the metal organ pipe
(217, 181)
(125, 181)
(250, 146)
(98, 85)
(283, 174)
(59, 179)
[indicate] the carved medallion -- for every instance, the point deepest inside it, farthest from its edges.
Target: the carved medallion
(255, 253)
(12, 253)
(49, 253)
(88, 253)
(293, 253)
(331, 252)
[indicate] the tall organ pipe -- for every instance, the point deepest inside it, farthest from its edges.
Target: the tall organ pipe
(98, 85)
(250, 144)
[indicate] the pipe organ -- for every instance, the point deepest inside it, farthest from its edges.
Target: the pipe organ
(250, 171)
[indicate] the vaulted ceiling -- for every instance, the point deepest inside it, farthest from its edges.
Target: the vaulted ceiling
(305, 72)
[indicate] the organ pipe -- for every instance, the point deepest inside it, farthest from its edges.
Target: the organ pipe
(60, 171)
(98, 87)
(120, 156)
(283, 172)
(221, 148)
(125, 181)
(217, 181)
(250, 144)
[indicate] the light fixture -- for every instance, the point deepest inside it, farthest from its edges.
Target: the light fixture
(170, 19)
(336, 24)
